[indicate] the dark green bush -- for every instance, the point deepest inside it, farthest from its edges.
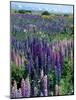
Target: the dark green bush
(45, 13)
(18, 73)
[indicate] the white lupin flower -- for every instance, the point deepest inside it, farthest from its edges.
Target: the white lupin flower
(14, 90)
(23, 88)
(19, 94)
(42, 73)
(45, 85)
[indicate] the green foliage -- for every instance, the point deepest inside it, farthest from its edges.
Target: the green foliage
(45, 13)
(67, 80)
(66, 87)
(66, 83)
(66, 15)
(20, 36)
(42, 35)
(18, 73)
(22, 11)
(68, 69)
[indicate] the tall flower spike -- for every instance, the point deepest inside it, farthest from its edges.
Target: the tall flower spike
(35, 88)
(42, 73)
(41, 87)
(14, 90)
(23, 88)
(59, 72)
(19, 59)
(45, 86)
(27, 87)
(19, 94)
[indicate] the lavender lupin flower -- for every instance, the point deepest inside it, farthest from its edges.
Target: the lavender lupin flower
(19, 94)
(42, 87)
(14, 90)
(23, 88)
(45, 86)
(27, 87)
(35, 88)
(57, 90)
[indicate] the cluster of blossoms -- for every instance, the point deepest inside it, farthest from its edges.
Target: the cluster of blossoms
(39, 57)
(24, 91)
(34, 53)
(25, 22)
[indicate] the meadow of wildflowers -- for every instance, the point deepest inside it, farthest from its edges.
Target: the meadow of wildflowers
(42, 49)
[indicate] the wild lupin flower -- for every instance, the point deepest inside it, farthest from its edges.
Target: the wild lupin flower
(42, 87)
(57, 90)
(14, 90)
(61, 58)
(23, 59)
(37, 66)
(42, 74)
(14, 54)
(48, 70)
(23, 88)
(30, 64)
(19, 60)
(59, 72)
(35, 88)
(53, 55)
(19, 94)
(45, 86)
(27, 87)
